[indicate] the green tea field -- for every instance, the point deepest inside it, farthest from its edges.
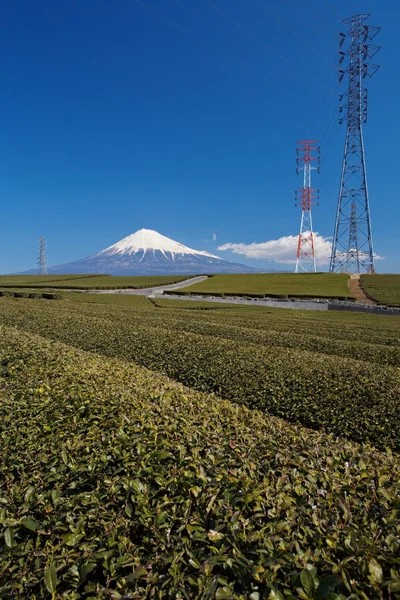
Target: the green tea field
(304, 285)
(157, 449)
(83, 282)
(384, 289)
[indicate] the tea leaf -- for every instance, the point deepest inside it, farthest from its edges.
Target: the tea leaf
(50, 578)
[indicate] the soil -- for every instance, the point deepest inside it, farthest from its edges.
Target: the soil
(356, 290)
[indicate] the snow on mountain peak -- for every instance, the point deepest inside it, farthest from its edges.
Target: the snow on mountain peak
(148, 240)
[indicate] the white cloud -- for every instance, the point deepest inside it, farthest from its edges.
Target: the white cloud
(282, 250)
(214, 236)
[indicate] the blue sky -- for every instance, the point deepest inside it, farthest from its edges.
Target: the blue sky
(169, 115)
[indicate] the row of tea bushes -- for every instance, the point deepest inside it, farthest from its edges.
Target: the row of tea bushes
(345, 326)
(372, 340)
(96, 282)
(382, 354)
(29, 280)
(384, 289)
(299, 296)
(347, 397)
(29, 294)
(295, 285)
(118, 483)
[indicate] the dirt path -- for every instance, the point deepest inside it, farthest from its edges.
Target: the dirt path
(356, 290)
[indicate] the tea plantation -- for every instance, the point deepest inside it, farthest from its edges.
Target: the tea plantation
(384, 289)
(84, 282)
(273, 474)
(300, 285)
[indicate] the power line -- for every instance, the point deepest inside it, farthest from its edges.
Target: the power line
(190, 10)
(331, 200)
(296, 34)
(161, 16)
(187, 32)
(334, 10)
(322, 12)
(323, 103)
(229, 18)
(330, 128)
(326, 98)
(308, 19)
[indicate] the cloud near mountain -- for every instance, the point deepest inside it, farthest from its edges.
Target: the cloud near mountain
(282, 250)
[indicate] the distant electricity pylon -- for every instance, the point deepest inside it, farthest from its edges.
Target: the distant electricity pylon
(41, 261)
(352, 249)
(307, 153)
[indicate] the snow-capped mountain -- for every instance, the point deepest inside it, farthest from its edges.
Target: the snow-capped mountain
(147, 240)
(147, 252)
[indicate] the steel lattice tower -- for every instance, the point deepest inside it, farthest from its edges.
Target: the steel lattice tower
(352, 249)
(307, 153)
(41, 261)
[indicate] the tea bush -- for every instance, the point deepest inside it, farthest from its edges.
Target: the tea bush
(118, 483)
(384, 289)
(296, 285)
(358, 399)
(29, 294)
(100, 282)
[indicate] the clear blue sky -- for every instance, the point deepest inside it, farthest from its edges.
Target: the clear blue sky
(115, 117)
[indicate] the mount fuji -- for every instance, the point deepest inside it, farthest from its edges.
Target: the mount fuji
(147, 252)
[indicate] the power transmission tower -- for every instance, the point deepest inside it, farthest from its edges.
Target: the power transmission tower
(352, 249)
(41, 261)
(307, 153)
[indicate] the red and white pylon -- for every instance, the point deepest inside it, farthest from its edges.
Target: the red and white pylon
(307, 153)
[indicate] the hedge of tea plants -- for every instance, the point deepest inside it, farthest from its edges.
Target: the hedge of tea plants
(116, 482)
(28, 280)
(252, 295)
(383, 354)
(358, 399)
(384, 289)
(367, 345)
(9, 293)
(136, 301)
(96, 282)
(296, 285)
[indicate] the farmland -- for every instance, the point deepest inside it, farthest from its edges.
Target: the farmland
(84, 282)
(273, 474)
(336, 372)
(384, 289)
(304, 285)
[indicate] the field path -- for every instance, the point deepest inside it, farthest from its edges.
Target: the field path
(152, 290)
(356, 290)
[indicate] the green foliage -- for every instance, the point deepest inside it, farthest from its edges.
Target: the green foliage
(384, 289)
(38, 279)
(189, 304)
(276, 285)
(97, 282)
(314, 369)
(9, 293)
(118, 483)
(115, 300)
(50, 296)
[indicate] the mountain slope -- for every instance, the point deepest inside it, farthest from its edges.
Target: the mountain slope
(147, 252)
